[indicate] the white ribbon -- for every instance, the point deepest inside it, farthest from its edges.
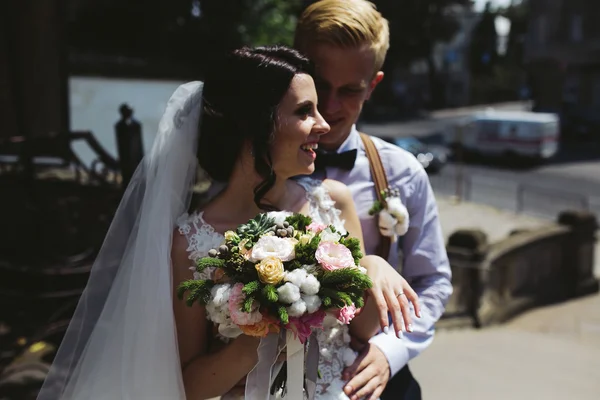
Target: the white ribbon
(301, 380)
(295, 368)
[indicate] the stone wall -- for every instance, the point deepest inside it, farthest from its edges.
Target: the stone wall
(496, 281)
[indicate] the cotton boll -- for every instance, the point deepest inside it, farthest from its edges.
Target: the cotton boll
(288, 293)
(311, 285)
(297, 277)
(297, 309)
(313, 303)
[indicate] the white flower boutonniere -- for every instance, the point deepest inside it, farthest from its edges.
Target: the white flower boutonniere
(393, 215)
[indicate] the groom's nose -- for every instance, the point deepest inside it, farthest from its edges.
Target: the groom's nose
(330, 103)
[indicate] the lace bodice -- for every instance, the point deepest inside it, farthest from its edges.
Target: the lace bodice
(334, 339)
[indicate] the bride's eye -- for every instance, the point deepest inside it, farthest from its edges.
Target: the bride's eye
(305, 110)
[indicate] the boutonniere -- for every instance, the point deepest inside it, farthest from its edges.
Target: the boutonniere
(393, 215)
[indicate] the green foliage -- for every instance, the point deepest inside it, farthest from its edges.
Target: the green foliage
(270, 293)
(256, 227)
(248, 303)
(283, 315)
(349, 278)
(299, 221)
(251, 287)
(209, 262)
(305, 253)
(338, 298)
(377, 206)
(266, 22)
(199, 291)
(353, 244)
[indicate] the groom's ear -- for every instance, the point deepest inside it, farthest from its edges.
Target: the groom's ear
(374, 82)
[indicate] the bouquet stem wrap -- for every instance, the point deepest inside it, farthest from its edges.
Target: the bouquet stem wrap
(301, 382)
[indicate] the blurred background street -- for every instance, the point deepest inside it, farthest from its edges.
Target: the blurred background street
(499, 100)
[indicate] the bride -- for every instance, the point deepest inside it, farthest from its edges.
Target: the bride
(253, 124)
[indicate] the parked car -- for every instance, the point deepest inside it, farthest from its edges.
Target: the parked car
(432, 158)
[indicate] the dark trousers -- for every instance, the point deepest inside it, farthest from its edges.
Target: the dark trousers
(402, 386)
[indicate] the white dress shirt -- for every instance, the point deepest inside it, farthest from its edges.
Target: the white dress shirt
(425, 262)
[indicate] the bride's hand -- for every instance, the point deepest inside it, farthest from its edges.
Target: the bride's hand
(391, 293)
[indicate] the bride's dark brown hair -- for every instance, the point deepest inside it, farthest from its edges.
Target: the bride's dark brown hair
(241, 96)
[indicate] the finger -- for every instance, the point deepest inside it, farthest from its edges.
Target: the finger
(377, 392)
(381, 303)
(359, 380)
(356, 367)
(405, 312)
(413, 297)
(395, 310)
(367, 389)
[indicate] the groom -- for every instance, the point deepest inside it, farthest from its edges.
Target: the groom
(348, 41)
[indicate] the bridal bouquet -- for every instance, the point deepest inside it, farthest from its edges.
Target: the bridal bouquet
(278, 271)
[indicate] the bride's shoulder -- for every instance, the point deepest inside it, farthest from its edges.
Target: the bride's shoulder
(326, 190)
(338, 191)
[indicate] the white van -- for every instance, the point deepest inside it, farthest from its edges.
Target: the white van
(521, 133)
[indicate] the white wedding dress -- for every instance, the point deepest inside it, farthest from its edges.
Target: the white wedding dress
(334, 339)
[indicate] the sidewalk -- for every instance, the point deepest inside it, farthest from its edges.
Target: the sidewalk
(547, 353)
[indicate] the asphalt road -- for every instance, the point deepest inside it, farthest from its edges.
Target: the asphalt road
(569, 181)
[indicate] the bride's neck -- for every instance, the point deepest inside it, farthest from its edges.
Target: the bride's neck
(238, 197)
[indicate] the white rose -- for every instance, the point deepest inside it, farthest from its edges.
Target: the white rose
(273, 246)
(220, 294)
(279, 216)
(288, 293)
(328, 236)
(230, 330)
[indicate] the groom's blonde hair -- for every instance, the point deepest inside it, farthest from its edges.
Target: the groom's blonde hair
(344, 23)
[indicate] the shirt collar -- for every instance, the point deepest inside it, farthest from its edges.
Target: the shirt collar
(352, 141)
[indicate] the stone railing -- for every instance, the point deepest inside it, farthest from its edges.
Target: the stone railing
(494, 282)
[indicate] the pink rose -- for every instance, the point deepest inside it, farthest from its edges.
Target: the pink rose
(346, 314)
(334, 256)
(236, 300)
(303, 326)
(315, 227)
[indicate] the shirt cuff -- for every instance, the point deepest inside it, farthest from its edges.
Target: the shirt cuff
(394, 349)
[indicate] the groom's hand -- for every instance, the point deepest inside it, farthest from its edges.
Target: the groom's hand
(369, 374)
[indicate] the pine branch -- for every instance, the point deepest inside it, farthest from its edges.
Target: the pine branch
(283, 315)
(251, 287)
(198, 291)
(248, 303)
(209, 262)
(270, 293)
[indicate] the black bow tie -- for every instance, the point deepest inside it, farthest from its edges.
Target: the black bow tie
(344, 160)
